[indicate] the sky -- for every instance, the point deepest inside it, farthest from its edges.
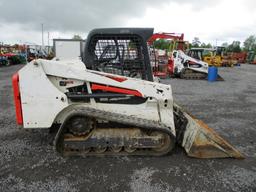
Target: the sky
(213, 21)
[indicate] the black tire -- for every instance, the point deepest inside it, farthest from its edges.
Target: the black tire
(182, 74)
(8, 63)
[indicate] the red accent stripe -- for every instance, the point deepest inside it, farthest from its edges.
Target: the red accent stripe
(119, 79)
(17, 101)
(115, 90)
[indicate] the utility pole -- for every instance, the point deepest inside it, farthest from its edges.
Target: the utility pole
(42, 35)
(48, 48)
(48, 38)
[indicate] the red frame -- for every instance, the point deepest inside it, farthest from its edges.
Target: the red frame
(17, 101)
(95, 87)
(179, 37)
(119, 79)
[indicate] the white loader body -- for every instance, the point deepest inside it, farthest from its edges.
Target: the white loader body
(42, 98)
(44, 101)
(183, 61)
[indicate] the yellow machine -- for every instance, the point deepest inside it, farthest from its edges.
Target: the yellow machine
(212, 56)
(207, 55)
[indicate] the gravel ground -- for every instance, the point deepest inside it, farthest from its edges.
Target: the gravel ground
(28, 162)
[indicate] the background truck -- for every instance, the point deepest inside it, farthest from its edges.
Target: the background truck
(68, 49)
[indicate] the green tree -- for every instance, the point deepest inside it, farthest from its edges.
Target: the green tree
(77, 37)
(132, 45)
(162, 44)
(234, 47)
(203, 45)
(250, 43)
(224, 44)
(209, 45)
(196, 42)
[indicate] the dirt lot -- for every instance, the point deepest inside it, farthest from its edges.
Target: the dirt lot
(28, 162)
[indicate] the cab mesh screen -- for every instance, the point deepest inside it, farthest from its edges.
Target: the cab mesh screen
(121, 55)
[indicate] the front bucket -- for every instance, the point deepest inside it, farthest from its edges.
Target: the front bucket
(200, 141)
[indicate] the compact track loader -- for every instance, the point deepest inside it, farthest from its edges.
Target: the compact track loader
(187, 67)
(109, 104)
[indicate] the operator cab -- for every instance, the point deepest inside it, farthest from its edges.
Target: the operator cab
(120, 51)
